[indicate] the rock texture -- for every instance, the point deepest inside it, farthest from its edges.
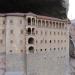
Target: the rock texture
(54, 8)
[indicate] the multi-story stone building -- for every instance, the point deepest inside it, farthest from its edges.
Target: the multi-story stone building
(32, 44)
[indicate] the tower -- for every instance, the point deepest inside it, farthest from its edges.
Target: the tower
(2, 45)
(15, 44)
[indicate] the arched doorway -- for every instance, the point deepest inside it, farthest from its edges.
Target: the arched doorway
(31, 40)
(29, 21)
(29, 30)
(31, 49)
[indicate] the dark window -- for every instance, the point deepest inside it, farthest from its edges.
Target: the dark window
(54, 48)
(50, 23)
(36, 41)
(58, 48)
(20, 21)
(62, 25)
(33, 31)
(11, 31)
(21, 50)
(58, 41)
(1, 41)
(47, 24)
(45, 49)
(10, 50)
(43, 23)
(50, 33)
(11, 41)
(29, 21)
(36, 49)
(58, 33)
(62, 48)
(45, 41)
(41, 41)
(54, 24)
(11, 21)
(21, 31)
(54, 33)
(41, 49)
(31, 40)
(54, 41)
(45, 33)
(65, 41)
(61, 41)
(61, 33)
(21, 41)
(31, 49)
(3, 31)
(50, 48)
(59, 25)
(39, 22)
(50, 41)
(29, 30)
(4, 22)
(36, 21)
(41, 32)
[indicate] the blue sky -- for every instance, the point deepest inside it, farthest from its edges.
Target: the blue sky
(71, 12)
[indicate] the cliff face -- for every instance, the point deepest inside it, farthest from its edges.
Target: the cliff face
(54, 8)
(71, 48)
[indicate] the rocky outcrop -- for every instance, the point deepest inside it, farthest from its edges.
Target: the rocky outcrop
(54, 8)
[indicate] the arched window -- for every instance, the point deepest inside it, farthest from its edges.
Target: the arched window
(59, 25)
(31, 40)
(31, 49)
(50, 24)
(29, 30)
(39, 22)
(56, 24)
(33, 31)
(47, 24)
(43, 23)
(53, 24)
(33, 21)
(29, 21)
(62, 25)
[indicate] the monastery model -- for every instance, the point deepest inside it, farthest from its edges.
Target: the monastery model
(32, 44)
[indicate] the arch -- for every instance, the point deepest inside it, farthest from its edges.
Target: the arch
(33, 30)
(57, 25)
(33, 21)
(39, 22)
(29, 30)
(31, 40)
(43, 23)
(29, 21)
(31, 49)
(53, 24)
(62, 25)
(47, 24)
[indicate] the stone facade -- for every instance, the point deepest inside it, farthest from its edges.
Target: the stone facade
(32, 44)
